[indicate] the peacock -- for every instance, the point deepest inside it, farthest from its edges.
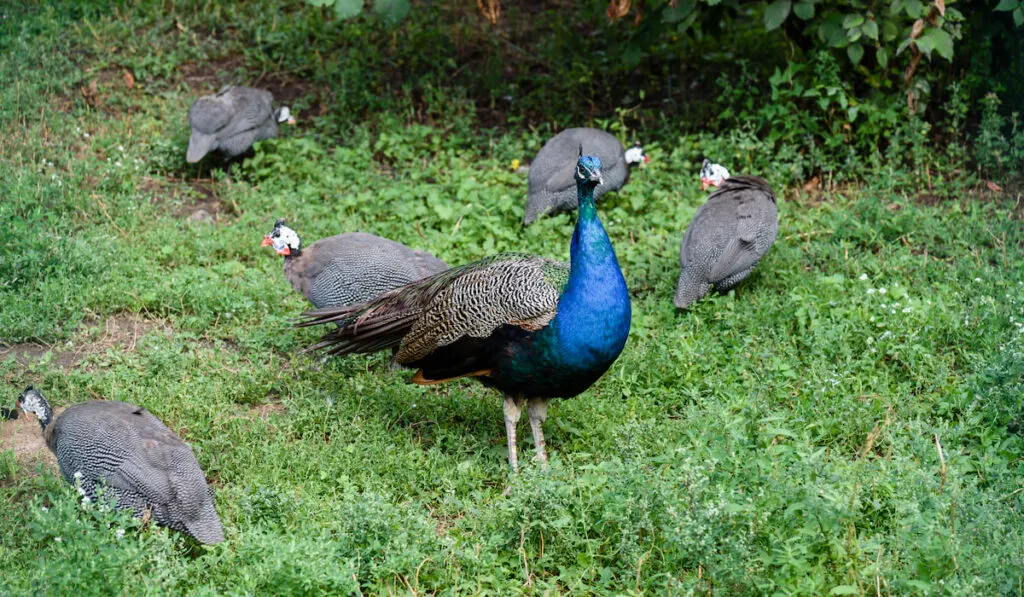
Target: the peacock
(530, 327)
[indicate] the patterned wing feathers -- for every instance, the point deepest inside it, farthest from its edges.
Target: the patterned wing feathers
(470, 300)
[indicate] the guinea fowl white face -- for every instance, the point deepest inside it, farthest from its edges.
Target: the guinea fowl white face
(712, 175)
(283, 239)
(32, 401)
(285, 115)
(636, 155)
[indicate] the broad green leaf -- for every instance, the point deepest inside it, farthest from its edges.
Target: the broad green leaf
(1007, 5)
(855, 52)
(844, 590)
(854, 20)
(804, 10)
(940, 41)
(392, 11)
(1018, 16)
(889, 31)
(319, 2)
(925, 44)
(853, 34)
(882, 56)
(682, 10)
(346, 9)
(913, 8)
(831, 31)
(870, 29)
(775, 14)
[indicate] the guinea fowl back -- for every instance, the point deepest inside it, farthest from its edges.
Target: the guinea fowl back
(356, 267)
(142, 463)
(728, 235)
(552, 188)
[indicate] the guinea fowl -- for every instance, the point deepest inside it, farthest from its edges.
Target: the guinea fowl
(552, 188)
(231, 120)
(531, 327)
(348, 268)
(729, 234)
(135, 458)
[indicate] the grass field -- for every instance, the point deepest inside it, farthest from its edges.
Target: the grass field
(847, 422)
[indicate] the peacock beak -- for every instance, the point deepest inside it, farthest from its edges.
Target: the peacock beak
(267, 242)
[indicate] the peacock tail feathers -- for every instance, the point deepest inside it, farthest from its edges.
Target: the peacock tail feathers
(470, 300)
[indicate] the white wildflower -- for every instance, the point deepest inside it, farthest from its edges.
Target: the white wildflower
(871, 290)
(44, 508)
(119, 533)
(118, 163)
(57, 539)
(906, 309)
(881, 291)
(863, 277)
(77, 475)
(120, 148)
(977, 279)
(895, 305)
(86, 135)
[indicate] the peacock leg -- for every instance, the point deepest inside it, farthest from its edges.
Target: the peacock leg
(513, 407)
(538, 411)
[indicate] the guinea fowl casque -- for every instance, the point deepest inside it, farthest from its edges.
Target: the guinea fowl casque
(531, 327)
(729, 234)
(552, 188)
(231, 120)
(348, 268)
(134, 457)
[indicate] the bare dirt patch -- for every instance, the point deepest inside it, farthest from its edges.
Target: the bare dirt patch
(94, 336)
(196, 200)
(24, 436)
(211, 76)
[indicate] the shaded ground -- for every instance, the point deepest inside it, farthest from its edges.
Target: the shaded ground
(94, 336)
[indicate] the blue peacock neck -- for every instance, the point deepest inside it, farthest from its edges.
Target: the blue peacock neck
(594, 310)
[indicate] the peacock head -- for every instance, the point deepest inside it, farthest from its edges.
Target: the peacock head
(712, 175)
(284, 240)
(588, 169)
(32, 401)
(283, 114)
(635, 155)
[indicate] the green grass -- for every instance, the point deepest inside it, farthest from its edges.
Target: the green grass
(781, 439)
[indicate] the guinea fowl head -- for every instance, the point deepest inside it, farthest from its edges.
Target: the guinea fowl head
(588, 170)
(284, 240)
(32, 401)
(712, 175)
(635, 155)
(283, 114)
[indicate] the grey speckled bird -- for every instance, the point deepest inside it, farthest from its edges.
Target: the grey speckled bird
(135, 458)
(729, 234)
(552, 188)
(231, 120)
(348, 268)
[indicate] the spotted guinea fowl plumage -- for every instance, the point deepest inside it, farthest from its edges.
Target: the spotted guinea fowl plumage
(531, 327)
(231, 120)
(131, 456)
(552, 188)
(727, 237)
(348, 268)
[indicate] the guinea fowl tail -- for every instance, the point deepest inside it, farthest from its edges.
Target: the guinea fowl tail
(689, 289)
(376, 324)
